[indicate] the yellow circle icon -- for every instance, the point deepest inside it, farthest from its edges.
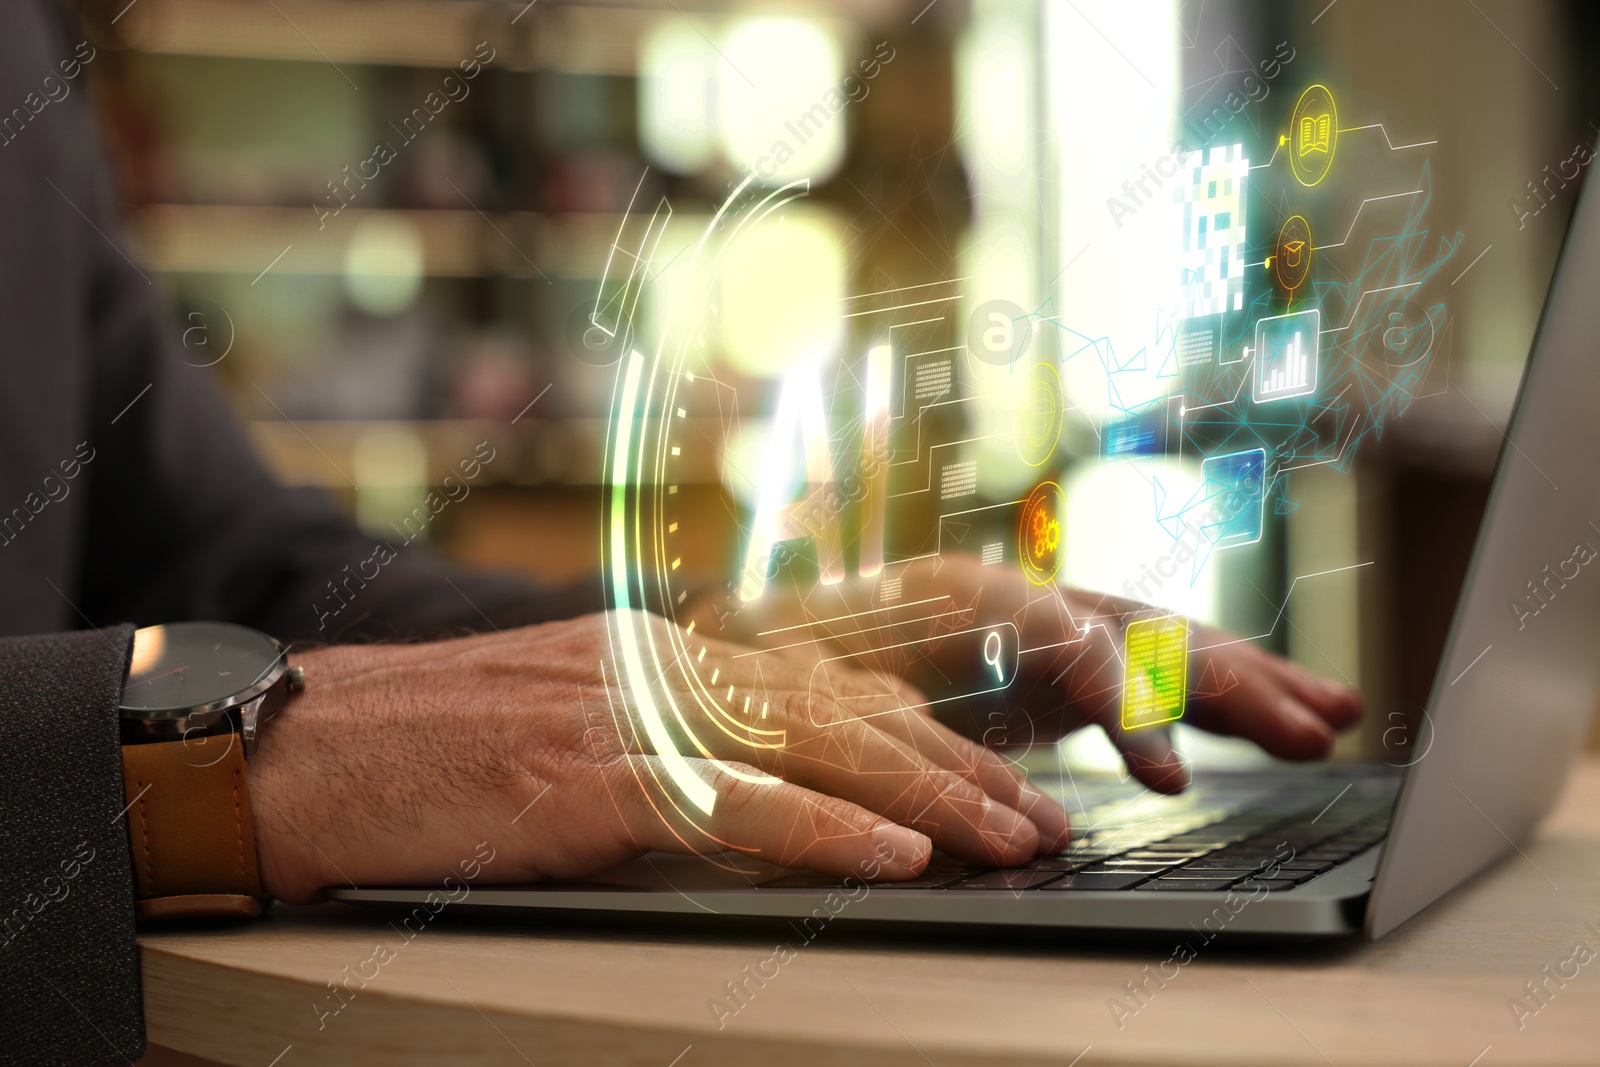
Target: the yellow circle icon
(1313, 135)
(1038, 426)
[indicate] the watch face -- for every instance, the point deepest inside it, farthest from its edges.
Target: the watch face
(193, 664)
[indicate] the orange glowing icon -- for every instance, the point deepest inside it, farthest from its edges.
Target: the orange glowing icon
(1291, 253)
(1039, 534)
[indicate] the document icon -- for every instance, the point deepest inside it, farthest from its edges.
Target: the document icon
(1155, 671)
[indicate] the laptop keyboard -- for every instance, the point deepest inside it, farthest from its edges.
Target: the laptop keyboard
(1278, 839)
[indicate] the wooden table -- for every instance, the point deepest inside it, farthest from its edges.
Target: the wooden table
(1437, 991)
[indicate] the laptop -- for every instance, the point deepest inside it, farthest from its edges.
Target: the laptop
(1331, 851)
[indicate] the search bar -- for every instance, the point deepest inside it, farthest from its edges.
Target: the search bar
(980, 660)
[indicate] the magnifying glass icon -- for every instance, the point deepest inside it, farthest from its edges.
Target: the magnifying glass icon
(993, 649)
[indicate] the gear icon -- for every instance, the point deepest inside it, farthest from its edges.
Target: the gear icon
(1039, 533)
(1046, 533)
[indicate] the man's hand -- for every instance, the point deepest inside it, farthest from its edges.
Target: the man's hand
(397, 759)
(1069, 672)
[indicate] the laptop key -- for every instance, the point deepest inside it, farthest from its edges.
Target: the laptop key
(1299, 866)
(1271, 885)
(1212, 872)
(1251, 851)
(1057, 863)
(1296, 877)
(1114, 867)
(1008, 879)
(1222, 863)
(1080, 880)
(926, 881)
(1211, 833)
(944, 865)
(1188, 885)
(1089, 855)
(1251, 863)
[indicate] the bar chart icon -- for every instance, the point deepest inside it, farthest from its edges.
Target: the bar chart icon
(1286, 355)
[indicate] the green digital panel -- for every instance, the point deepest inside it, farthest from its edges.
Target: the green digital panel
(1155, 673)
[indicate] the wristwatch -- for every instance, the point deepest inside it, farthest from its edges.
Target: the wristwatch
(195, 695)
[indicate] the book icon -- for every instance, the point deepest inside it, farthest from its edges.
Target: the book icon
(1315, 131)
(1312, 135)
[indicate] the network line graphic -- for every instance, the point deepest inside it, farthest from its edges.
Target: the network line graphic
(1334, 340)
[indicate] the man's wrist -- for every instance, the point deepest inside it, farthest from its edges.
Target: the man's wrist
(284, 772)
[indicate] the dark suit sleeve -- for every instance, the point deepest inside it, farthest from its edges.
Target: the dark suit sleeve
(69, 969)
(185, 522)
(180, 521)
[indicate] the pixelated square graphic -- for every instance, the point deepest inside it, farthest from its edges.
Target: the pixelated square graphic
(1212, 203)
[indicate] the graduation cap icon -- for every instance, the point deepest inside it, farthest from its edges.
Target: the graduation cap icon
(1291, 253)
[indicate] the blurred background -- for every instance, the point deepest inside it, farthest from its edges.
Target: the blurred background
(374, 313)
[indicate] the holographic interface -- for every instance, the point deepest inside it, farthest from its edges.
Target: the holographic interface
(1137, 426)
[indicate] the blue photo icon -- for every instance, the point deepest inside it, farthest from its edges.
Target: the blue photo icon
(1235, 498)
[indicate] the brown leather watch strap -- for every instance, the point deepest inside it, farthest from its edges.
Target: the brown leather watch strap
(194, 845)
